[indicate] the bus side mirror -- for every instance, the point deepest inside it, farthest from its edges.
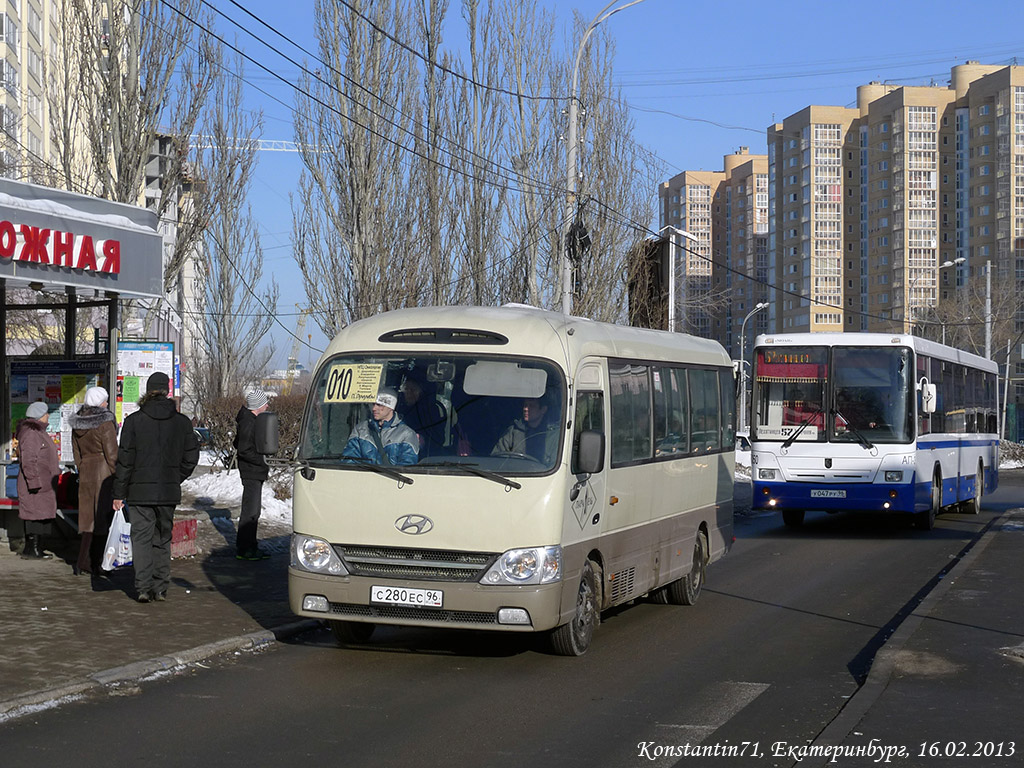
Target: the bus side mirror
(927, 397)
(265, 434)
(590, 457)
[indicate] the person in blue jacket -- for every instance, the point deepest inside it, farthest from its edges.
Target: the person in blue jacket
(383, 438)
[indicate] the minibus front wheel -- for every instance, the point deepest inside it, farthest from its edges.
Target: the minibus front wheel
(351, 632)
(573, 639)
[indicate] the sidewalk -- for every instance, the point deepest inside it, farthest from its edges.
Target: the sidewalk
(948, 686)
(57, 629)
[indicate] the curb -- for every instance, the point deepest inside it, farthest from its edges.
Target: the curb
(46, 698)
(836, 732)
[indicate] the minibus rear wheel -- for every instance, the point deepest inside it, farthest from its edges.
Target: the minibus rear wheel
(573, 639)
(351, 632)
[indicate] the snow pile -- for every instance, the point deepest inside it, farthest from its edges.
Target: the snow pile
(224, 489)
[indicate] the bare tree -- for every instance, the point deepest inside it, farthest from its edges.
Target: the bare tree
(351, 240)
(532, 145)
(480, 189)
(141, 71)
(230, 343)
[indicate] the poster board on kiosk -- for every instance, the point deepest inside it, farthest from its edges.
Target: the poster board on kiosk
(136, 362)
(61, 384)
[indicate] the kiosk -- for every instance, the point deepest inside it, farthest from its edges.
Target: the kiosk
(94, 252)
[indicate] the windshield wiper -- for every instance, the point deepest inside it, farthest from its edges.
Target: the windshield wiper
(856, 432)
(381, 469)
(792, 438)
(473, 469)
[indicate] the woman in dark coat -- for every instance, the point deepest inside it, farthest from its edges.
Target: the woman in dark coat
(94, 440)
(37, 478)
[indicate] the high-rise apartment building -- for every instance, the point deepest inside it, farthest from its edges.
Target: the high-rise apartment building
(809, 180)
(27, 28)
(884, 217)
(686, 203)
(723, 265)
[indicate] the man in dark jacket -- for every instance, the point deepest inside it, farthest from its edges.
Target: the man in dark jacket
(252, 469)
(158, 451)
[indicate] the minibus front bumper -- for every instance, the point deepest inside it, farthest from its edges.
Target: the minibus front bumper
(465, 605)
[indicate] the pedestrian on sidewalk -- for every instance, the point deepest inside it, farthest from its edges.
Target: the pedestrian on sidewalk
(253, 471)
(94, 442)
(158, 451)
(37, 479)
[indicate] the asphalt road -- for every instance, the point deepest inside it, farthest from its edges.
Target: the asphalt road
(782, 636)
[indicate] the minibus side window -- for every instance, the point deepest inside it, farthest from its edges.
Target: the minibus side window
(589, 417)
(670, 433)
(704, 424)
(631, 413)
(727, 388)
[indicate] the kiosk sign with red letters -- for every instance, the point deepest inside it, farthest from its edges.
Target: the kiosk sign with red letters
(62, 238)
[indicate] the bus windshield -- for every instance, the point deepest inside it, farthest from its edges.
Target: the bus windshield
(862, 395)
(460, 414)
(872, 394)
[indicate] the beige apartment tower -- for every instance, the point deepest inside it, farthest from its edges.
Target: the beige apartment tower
(725, 270)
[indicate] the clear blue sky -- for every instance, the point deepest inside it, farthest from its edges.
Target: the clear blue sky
(703, 78)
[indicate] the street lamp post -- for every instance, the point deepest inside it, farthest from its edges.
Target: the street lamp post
(672, 271)
(988, 309)
(570, 154)
(743, 360)
(955, 262)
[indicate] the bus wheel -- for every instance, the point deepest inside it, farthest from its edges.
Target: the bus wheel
(686, 590)
(793, 518)
(351, 632)
(926, 519)
(973, 506)
(573, 639)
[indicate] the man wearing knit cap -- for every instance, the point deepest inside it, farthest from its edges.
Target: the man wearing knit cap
(383, 438)
(158, 451)
(253, 471)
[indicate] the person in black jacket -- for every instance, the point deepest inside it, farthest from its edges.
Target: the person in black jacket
(252, 469)
(158, 451)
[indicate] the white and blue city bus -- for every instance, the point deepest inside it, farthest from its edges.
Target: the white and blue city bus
(871, 422)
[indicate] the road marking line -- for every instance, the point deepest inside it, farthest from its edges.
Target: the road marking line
(700, 717)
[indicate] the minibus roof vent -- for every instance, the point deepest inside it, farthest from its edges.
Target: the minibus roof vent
(443, 336)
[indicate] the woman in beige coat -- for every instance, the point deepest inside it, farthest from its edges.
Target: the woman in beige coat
(94, 441)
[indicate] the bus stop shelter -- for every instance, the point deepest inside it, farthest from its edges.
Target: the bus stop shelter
(91, 253)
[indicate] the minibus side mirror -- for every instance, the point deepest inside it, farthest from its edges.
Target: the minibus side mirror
(590, 456)
(266, 433)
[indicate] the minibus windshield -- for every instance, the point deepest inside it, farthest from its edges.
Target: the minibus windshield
(484, 416)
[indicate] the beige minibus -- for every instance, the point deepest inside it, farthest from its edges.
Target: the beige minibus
(508, 468)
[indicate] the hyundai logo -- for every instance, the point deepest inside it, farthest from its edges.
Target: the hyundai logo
(414, 525)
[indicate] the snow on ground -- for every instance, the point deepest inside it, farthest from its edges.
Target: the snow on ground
(224, 489)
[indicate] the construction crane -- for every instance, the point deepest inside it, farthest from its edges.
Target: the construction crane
(293, 358)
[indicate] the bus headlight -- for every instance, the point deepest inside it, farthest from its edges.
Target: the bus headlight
(535, 565)
(315, 555)
(766, 474)
(894, 476)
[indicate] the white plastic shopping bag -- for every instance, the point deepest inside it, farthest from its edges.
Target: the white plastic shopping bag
(118, 551)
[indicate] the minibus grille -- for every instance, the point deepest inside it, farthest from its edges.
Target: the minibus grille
(421, 564)
(399, 612)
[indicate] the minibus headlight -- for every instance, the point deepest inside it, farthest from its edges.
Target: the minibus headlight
(894, 476)
(315, 555)
(766, 474)
(534, 565)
